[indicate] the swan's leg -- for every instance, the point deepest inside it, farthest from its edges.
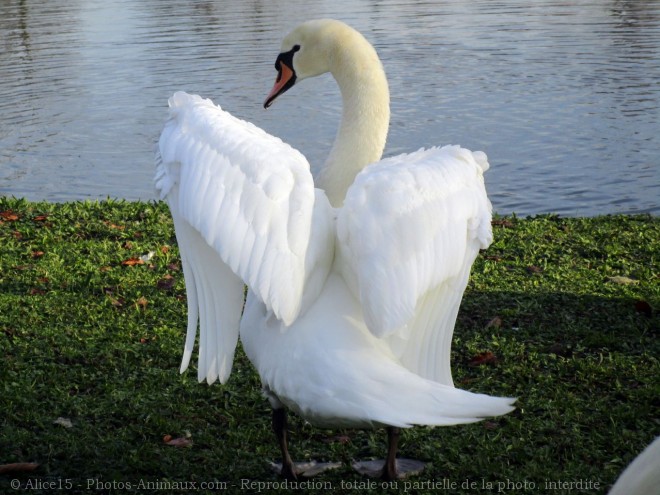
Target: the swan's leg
(289, 469)
(279, 427)
(391, 468)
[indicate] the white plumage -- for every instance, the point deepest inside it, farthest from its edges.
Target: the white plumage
(642, 476)
(351, 306)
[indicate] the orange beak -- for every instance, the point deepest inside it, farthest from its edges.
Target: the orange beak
(286, 77)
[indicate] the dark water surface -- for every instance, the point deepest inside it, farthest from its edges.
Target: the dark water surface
(563, 96)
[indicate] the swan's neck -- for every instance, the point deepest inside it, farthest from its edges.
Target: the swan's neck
(365, 119)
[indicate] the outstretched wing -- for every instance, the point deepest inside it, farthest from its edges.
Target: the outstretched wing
(242, 203)
(409, 231)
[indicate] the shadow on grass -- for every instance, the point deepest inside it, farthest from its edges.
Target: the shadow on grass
(583, 367)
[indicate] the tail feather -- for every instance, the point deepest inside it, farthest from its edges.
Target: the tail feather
(444, 405)
(392, 395)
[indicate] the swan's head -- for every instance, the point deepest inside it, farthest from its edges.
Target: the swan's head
(313, 48)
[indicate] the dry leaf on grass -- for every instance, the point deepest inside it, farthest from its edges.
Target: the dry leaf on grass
(483, 358)
(18, 467)
(502, 223)
(495, 323)
(66, 422)
(9, 216)
(618, 279)
(117, 302)
(166, 283)
(113, 226)
(132, 262)
(178, 442)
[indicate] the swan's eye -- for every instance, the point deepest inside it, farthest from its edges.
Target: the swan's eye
(286, 56)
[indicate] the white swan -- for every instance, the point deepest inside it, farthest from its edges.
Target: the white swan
(642, 476)
(354, 286)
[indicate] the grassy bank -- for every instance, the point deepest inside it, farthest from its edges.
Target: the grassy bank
(562, 313)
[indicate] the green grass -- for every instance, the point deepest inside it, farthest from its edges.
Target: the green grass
(87, 337)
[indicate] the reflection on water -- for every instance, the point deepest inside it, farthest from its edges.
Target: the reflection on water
(563, 96)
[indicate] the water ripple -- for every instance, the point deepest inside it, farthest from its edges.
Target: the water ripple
(564, 96)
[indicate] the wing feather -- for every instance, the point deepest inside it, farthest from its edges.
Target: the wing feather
(239, 185)
(242, 203)
(208, 284)
(408, 233)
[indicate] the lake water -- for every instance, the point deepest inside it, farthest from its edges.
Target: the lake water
(563, 96)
